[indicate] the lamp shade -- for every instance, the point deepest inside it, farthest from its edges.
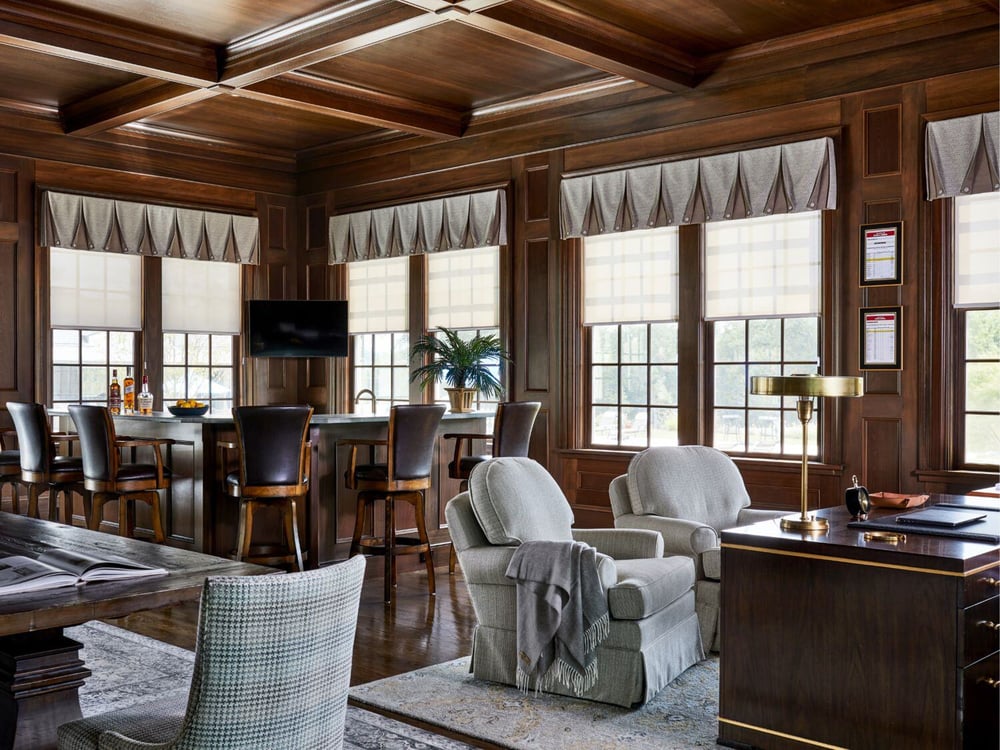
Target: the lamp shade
(806, 385)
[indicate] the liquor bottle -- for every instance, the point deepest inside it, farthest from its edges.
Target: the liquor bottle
(128, 393)
(115, 394)
(145, 397)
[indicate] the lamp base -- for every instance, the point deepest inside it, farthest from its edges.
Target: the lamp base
(805, 524)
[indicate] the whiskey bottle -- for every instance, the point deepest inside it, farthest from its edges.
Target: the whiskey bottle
(115, 394)
(128, 393)
(145, 397)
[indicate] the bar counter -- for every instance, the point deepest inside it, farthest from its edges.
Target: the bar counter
(201, 517)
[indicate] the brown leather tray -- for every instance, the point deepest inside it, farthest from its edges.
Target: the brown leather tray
(895, 500)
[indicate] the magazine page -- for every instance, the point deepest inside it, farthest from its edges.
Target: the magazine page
(19, 574)
(90, 568)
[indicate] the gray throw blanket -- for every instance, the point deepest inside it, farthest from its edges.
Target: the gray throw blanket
(562, 614)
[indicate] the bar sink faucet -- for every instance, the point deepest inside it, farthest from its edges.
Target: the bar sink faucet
(363, 392)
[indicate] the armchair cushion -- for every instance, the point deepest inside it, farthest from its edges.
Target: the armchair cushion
(748, 516)
(515, 500)
(689, 481)
(646, 586)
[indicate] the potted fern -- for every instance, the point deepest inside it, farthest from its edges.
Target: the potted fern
(462, 364)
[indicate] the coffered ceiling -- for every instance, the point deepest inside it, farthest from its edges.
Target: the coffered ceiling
(284, 82)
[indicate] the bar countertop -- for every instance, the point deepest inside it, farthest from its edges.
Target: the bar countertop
(317, 419)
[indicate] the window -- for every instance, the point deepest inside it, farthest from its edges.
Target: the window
(378, 322)
(201, 319)
(762, 301)
(976, 297)
(95, 312)
(463, 293)
(760, 285)
(630, 310)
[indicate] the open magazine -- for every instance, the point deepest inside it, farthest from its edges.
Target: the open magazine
(59, 567)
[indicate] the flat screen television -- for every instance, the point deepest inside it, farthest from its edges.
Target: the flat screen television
(297, 328)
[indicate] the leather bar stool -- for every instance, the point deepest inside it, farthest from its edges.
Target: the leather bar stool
(42, 468)
(403, 477)
(108, 479)
(274, 472)
(511, 436)
(10, 470)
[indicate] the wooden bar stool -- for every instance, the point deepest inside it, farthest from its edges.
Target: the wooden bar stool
(10, 469)
(274, 471)
(403, 477)
(108, 479)
(42, 468)
(511, 436)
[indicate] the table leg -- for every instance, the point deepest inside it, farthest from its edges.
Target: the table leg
(40, 674)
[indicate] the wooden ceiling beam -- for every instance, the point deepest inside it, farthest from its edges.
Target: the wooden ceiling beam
(253, 61)
(119, 46)
(137, 100)
(334, 99)
(568, 33)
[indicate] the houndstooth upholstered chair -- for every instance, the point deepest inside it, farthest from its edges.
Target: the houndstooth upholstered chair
(272, 670)
(689, 494)
(653, 630)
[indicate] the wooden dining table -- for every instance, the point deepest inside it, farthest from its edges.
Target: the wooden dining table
(40, 667)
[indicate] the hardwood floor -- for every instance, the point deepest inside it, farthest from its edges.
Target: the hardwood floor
(415, 631)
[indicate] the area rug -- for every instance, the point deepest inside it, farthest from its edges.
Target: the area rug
(683, 715)
(130, 669)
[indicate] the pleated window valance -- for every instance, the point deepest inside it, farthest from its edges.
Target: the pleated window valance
(961, 156)
(778, 179)
(456, 222)
(85, 222)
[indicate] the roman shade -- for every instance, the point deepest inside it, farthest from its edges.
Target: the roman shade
(86, 222)
(961, 156)
(977, 257)
(379, 296)
(777, 179)
(94, 291)
(463, 288)
(461, 221)
(200, 297)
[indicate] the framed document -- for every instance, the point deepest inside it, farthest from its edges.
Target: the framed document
(881, 253)
(881, 338)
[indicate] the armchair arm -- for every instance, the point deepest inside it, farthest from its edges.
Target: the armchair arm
(487, 564)
(155, 443)
(460, 439)
(622, 544)
(680, 537)
(352, 462)
(748, 516)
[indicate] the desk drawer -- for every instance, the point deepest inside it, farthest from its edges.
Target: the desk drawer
(981, 586)
(982, 630)
(980, 722)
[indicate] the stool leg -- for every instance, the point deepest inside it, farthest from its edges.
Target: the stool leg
(390, 548)
(33, 491)
(154, 506)
(244, 530)
(53, 503)
(67, 507)
(97, 510)
(452, 559)
(292, 532)
(422, 536)
(359, 526)
(126, 517)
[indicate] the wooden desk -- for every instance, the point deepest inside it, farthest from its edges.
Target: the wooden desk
(834, 642)
(40, 668)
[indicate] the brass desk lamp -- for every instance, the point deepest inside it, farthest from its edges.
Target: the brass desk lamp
(806, 387)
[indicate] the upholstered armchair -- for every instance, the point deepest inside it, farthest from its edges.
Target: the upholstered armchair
(688, 494)
(654, 632)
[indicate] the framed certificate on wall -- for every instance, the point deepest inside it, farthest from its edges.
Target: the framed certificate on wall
(881, 253)
(881, 338)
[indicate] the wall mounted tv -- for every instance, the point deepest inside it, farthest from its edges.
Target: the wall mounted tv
(297, 328)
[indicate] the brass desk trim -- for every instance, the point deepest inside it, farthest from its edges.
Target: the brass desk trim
(783, 735)
(862, 563)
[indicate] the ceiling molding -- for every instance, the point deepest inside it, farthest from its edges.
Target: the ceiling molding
(323, 96)
(559, 30)
(120, 46)
(139, 99)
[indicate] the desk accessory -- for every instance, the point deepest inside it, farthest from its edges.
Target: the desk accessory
(857, 500)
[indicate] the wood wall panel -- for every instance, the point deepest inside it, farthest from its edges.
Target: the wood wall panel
(17, 289)
(536, 330)
(882, 141)
(881, 444)
(536, 194)
(9, 293)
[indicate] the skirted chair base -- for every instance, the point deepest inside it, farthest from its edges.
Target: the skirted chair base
(637, 660)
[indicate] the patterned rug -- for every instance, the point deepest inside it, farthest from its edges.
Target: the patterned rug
(683, 715)
(130, 669)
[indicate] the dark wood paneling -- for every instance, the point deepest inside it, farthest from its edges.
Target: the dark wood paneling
(880, 440)
(536, 194)
(17, 288)
(536, 323)
(8, 312)
(882, 141)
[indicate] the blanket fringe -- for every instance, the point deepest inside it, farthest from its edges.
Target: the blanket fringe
(562, 672)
